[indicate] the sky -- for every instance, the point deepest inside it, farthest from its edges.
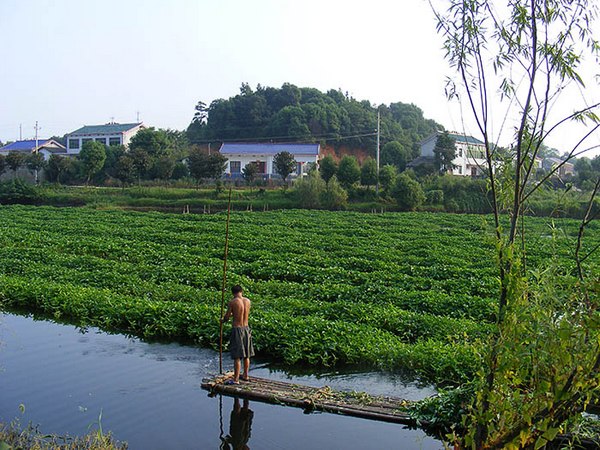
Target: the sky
(68, 63)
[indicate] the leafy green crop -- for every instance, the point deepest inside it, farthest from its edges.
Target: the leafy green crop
(412, 291)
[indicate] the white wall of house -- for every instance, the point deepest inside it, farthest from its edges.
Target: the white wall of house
(75, 142)
(469, 159)
(237, 162)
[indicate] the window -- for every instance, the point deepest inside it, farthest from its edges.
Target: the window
(235, 166)
(460, 170)
(102, 140)
(73, 143)
(114, 141)
(84, 140)
(299, 168)
(460, 152)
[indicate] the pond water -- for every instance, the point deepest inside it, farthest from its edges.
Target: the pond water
(149, 395)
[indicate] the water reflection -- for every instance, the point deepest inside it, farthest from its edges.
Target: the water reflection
(240, 426)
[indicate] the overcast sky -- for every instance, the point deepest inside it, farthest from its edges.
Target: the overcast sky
(71, 63)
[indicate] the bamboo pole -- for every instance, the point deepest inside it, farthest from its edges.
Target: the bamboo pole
(223, 286)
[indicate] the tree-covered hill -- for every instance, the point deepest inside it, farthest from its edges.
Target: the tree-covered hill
(291, 113)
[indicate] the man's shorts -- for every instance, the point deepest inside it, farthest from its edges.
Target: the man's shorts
(240, 343)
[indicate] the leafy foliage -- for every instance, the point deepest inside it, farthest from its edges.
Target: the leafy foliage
(284, 164)
(293, 113)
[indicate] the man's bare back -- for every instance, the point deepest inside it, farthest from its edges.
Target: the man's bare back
(239, 308)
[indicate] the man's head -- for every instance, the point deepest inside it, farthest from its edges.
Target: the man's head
(237, 289)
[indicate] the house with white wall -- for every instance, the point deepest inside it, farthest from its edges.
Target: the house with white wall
(470, 153)
(46, 147)
(241, 154)
(108, 134)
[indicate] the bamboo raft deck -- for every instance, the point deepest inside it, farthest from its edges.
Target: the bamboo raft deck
(357, 404)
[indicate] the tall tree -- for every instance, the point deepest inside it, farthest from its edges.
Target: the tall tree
(2, 164)
(92, 157)
(348, 171)
(444, 152)
(396, 154)
(284, 164)
(327, 167)
(249, 172)
(368, 172)
(14, 160)
(204, 166)
(57, 167)
(541, 364)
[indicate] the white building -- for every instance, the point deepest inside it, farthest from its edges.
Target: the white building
(470, 154)
(241, 154)
(109, 134)
(45, 147)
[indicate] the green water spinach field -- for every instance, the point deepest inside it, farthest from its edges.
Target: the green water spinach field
(398, 291)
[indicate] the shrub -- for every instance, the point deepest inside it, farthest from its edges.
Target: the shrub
(309, 190)
(408, 193)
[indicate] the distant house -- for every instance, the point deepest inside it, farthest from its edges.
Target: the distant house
(470, 154)
(109, 134)
(241, 154)
(566, 168)
(46, 147)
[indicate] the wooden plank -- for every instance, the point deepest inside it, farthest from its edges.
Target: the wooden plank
(357, 404)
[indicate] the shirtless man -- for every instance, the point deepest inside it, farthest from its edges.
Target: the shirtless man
(240, 343)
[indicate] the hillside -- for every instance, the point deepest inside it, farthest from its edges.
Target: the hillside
(291, 113)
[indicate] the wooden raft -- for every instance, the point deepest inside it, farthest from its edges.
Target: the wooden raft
(357, 404)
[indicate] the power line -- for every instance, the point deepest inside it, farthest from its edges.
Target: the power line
(327, 136)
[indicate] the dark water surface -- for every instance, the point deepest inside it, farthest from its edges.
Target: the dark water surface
(149, 395)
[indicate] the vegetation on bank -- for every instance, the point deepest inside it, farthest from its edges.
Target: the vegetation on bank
(14, 436)
(439, 194)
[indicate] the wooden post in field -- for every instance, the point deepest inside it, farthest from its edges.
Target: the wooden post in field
(224, 285)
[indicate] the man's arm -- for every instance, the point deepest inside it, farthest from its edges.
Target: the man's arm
(227, 314)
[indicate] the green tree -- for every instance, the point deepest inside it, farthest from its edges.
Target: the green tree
(335, 196)
(541, 364)
(92, 157)
(35, 162)
(113, 153)
(204, 166)
(57, 167)
(348, 172)
(2, 164)
(368, 172)
(408, 193)
(396, 154)
(284, 164)
(327, 167)
(163, 167)
(309, 190)
(142, 161)
(249, 172)
(155, 142)
(387, 177)
(14, 160)
(444, 152)
(125, 169)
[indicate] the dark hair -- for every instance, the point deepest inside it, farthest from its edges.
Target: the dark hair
(236, 289)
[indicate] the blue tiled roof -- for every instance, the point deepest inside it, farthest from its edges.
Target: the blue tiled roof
(109, 128)
(21, 146)
(268, 149)
(466, 139)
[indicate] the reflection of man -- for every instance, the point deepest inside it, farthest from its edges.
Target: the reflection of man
(240, 425)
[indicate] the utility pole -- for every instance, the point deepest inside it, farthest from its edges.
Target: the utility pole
(378, 130)
(138, 117)
(36, 149)
(20, 131)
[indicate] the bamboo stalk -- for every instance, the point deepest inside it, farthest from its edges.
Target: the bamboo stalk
(223, 286)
